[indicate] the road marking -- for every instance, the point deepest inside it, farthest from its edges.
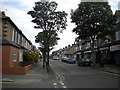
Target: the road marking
(61, 83)
(59, 75)
(54, 84)
(62, 77)
(7, 83)
(6, 80)
(64, 86)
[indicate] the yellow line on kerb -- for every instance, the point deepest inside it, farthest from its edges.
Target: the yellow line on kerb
(59, 75)
(6, 82)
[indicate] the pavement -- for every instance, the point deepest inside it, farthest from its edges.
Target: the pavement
(115, 69)
(38, 74)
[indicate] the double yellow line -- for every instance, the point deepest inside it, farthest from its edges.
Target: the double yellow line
(6, 81)
(59, 75)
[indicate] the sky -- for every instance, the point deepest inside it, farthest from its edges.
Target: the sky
(17, 11)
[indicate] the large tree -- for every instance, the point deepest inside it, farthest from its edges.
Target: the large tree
(46, 17)
(93, 20)
(40, 38)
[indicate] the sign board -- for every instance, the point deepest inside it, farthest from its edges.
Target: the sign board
(88, 51)
(104, 48)
(78, 52)
(115, 48)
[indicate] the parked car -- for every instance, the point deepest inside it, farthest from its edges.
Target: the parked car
(64, 59)
(69, 60)
(84, 62)
(55, 58)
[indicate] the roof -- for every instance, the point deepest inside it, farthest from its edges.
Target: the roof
(72, 49)
(7, 43)
(4, 17)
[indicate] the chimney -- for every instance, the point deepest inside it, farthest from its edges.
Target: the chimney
(69, 45)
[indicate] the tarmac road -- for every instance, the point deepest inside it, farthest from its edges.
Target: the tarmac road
(62, 75)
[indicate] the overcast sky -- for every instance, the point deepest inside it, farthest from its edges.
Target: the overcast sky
(17, 11)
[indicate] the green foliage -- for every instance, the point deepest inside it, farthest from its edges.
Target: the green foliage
(40, 38)
(26, 56)
(46, 17)
(34, 57)
(30, 56)
(93, 19)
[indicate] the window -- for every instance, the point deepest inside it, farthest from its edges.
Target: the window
(16, 36)
(22, 41)
(80, 47)
(14, 56)
(87, 45)
(21, 56)
(13, 34)
(19, 39)
(117, 35)
(95, 44)
(25, 43)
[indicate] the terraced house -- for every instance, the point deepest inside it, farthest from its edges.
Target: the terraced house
(107, 51)
(14, 42)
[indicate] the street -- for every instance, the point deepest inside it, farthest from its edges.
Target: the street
(67, 76)
(84, 77)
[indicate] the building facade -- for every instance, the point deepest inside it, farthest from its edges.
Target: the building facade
(13, 43)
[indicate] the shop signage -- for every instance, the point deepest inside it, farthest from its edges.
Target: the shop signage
(115, 48)
(104, 48)
(78, 52)
(88, 51)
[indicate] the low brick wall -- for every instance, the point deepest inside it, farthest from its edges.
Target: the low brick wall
(17, 70)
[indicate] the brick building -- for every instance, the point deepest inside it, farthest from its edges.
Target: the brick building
(13, 43)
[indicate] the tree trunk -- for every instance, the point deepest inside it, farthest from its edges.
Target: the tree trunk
(48, 56)
(44, 60)
(45, 49)
(93, 53)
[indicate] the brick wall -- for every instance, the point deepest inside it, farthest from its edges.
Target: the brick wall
(17, 70)
(7, 56)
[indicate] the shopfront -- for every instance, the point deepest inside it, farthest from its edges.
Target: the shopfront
(115, 50)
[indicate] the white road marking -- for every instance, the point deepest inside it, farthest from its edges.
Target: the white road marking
(64, 86)
(61, 83)
(54, 84)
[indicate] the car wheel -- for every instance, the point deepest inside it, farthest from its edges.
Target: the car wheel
(89, 64)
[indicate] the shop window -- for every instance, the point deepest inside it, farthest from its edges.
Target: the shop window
(87, 45)
(14, 56)
(95, 44)
(117, 35)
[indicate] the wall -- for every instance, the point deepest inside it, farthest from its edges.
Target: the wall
(17, 70)
(7, 56)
